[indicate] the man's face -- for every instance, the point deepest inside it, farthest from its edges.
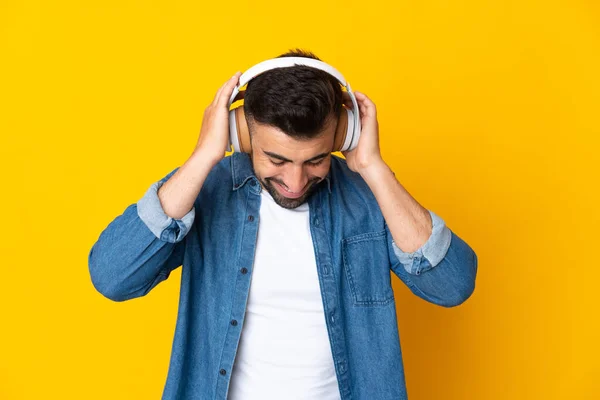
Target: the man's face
(290, 169)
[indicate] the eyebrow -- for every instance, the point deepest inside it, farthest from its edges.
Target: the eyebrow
(282, 158)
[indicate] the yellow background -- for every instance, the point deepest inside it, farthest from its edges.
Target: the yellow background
(489, 115)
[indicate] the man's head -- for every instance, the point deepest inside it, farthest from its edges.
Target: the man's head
(292, 114)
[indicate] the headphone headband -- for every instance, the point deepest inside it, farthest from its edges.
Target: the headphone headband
(351, 139)
(283, 62)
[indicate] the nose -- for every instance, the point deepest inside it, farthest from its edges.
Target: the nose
(296, 180)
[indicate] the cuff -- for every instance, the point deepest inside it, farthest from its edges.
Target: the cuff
(431, 253)
(160, 224)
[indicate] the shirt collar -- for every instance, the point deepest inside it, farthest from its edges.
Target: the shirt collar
(242, 171)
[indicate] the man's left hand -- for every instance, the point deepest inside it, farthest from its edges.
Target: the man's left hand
(366, 154)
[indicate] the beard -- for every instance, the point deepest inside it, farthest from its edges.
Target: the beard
(286, 202)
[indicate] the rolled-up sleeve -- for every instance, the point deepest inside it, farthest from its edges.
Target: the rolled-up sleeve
(139, 248)
(158, 222)
(431, 253)
(442, 271)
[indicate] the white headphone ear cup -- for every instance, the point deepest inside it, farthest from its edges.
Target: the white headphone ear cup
(233, 134)
(355, 131)
(349, 131)
(356, 123)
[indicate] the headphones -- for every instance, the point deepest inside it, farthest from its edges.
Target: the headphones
(347, 130)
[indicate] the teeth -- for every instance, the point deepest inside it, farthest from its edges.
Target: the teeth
(288, 190)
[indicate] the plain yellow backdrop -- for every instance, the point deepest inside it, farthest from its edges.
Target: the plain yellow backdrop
(489, 115)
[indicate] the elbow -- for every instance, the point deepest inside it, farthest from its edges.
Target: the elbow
(108, 291)
(463, 286)
(460, 294)
(101, 279)
(450, 282)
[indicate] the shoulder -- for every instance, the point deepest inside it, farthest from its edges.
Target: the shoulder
(219, 176)
(343, 176)
(349, 184)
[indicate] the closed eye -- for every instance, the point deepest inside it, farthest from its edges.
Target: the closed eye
(309, 163)
(316, 163)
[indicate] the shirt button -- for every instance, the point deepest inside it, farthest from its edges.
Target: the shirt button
(233, 322)
(244, 270)
(222, 372)
(250, 218)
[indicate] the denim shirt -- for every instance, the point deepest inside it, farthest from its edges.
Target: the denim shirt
(215, 243)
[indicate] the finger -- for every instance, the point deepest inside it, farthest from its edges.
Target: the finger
(361, 105)
(216, 98)
(365, 102)
(364, 113)
(363, 110)
(218, 95)
(228, 90)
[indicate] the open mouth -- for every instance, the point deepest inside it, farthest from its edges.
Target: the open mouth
(288, 194)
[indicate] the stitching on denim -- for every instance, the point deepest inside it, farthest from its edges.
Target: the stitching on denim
(369, 236)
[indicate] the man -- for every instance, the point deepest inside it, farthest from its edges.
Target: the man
(286, 252)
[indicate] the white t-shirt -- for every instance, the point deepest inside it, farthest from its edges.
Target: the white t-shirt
(284, 350)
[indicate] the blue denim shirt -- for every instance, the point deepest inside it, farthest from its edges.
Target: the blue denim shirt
(215, 243)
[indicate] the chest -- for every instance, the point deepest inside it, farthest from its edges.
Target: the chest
(284, 270)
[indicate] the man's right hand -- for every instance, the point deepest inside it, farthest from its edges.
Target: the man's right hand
(214, 134)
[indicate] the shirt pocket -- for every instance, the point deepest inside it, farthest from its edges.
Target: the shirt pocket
(367, 266)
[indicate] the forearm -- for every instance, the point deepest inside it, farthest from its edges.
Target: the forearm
(128, 260)
(139, 248)
(435, 263)
(178, 194)
(410, 224)
(450, 282)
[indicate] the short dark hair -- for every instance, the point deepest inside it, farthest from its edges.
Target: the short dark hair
(298, 100)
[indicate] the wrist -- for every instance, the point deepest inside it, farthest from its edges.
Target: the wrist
(374, 169)
(202, 160)
(202, 156)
